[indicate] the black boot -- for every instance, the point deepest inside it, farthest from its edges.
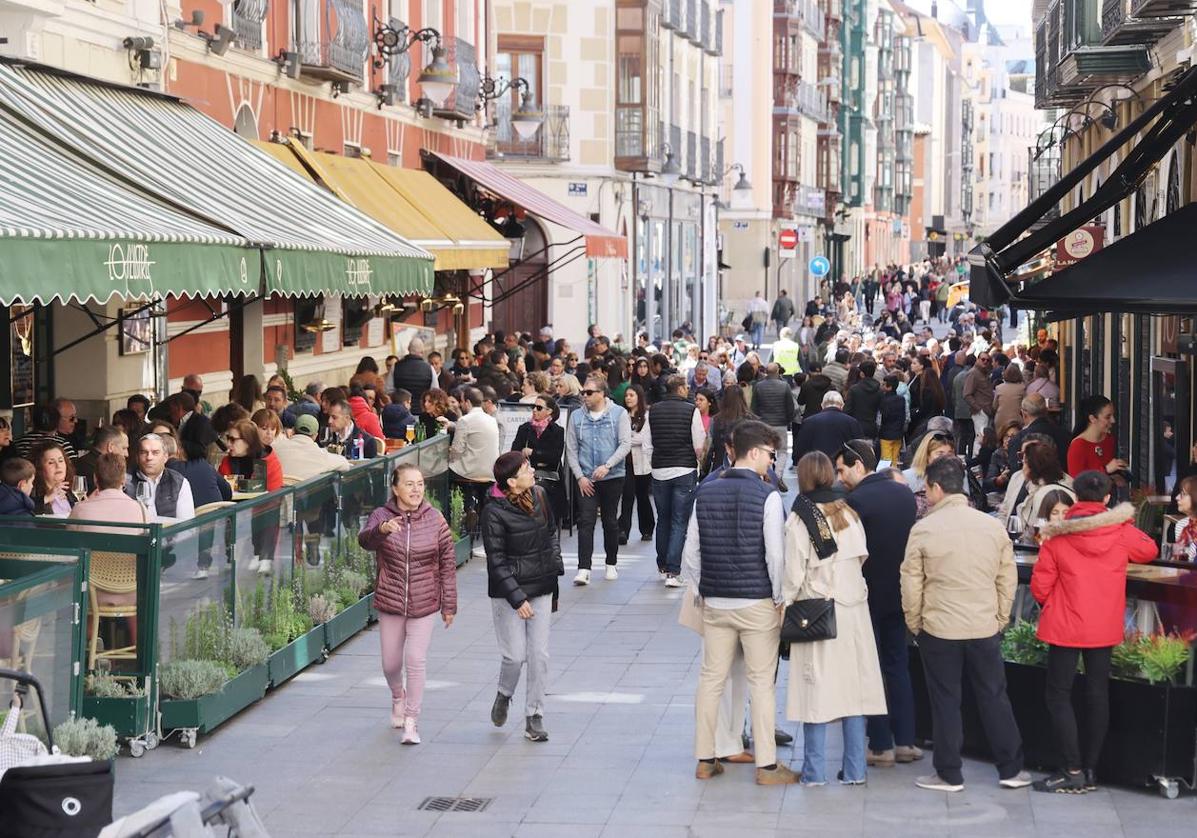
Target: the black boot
(498, 710)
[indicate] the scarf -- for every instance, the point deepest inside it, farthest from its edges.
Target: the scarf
(538, 425)
(524, 500)
(1188, 534)
(806, 508)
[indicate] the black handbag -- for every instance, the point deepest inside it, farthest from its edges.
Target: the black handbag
(808, 620)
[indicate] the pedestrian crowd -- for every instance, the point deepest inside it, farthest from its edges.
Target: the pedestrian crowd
(900, 445)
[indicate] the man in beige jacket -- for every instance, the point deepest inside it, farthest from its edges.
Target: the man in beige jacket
(958, 582)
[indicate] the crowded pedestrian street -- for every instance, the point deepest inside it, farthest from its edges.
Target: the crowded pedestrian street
(620, 712)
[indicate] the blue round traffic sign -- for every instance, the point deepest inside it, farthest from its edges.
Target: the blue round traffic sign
(819, 266)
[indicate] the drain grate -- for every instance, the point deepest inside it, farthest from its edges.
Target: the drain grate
(454, 804)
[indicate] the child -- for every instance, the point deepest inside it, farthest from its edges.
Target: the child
(1080, 579)
(1052, 510)
(893, 419)
(16, 487)
(397, 416)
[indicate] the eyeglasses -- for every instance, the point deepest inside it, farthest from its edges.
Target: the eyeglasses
(770, 451)
(540, 407)
(71, 418)
(590, 392)
(231, 438)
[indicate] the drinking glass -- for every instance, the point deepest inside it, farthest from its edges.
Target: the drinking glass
(1014, 526)
(79, 487)
(410, 433)
(144, 496)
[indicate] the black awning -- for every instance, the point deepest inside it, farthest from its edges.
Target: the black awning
(1153, 271)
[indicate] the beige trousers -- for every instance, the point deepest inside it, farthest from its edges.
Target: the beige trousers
(755, 629)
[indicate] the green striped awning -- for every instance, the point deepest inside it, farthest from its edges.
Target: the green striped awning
(70, 231)
(184, 186)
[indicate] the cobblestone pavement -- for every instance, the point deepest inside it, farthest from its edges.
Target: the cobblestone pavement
(325, 761)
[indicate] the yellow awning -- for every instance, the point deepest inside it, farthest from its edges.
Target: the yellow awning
(411, 203)
(487, 248)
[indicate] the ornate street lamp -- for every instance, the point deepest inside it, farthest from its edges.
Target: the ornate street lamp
(527, 118)
(437, 79)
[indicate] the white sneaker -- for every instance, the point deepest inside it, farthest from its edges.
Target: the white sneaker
(1019, 781)
(265, 568)
(478, 551)
(933, 782)
(200, 574)
(672, 582)
(583, 578)
(411, 735)
(252, 565)
(612, 573)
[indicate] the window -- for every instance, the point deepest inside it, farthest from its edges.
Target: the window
(465, 20)
(521, 56)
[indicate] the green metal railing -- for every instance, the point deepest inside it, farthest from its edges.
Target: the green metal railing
(222, 555)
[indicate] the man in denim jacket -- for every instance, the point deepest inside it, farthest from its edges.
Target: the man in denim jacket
(597, 444)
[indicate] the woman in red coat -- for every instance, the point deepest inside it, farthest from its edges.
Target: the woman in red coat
(417, 577)
(1080, 580)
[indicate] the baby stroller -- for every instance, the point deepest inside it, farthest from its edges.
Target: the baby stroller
(42, 796)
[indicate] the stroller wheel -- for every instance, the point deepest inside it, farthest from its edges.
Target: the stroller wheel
(151, 741)
(136, 748)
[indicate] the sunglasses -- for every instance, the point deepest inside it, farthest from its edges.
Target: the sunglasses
(540, 407)
(940, 436)
(590, 392)
(233, 438)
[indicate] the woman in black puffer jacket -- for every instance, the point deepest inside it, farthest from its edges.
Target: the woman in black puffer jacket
(523, 561)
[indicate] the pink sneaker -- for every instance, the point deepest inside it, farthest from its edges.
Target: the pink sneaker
(411, 736)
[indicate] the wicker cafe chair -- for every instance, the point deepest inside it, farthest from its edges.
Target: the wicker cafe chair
(113, 573)
(291, 481)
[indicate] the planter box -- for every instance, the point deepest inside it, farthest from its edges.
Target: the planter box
(462, 548)
(295, 656)
(371, 614)
(207, 712)
(346, 624)
(129, 716)
(1152, 732)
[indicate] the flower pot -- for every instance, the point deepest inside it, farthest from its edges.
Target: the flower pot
(346, 624)
(208, 711)
(295, 656)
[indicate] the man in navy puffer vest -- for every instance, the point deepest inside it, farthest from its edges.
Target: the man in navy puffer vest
(734, 555)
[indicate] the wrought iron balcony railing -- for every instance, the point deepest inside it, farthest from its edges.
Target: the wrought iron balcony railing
(549, 143)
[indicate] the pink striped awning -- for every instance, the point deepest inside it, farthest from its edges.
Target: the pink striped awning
(601, 243)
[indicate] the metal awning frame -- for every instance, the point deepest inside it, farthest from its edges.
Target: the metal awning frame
(994, 260)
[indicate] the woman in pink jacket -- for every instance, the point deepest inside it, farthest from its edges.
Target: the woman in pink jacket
(417, 577)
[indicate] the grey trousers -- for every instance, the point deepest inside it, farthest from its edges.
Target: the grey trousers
(524, 641)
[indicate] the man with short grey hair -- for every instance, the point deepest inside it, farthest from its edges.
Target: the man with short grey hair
(827, 430)
(1035, 420)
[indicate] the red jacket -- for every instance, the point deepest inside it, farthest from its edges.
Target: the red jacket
(1080, 578)
(417, 568)
(365, 418)
(245, 468)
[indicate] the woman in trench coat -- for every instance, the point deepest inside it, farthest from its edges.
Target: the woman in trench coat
(837, 679)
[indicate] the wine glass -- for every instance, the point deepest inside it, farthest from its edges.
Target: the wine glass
(79, 487)
(144, 495)
(1014, 526)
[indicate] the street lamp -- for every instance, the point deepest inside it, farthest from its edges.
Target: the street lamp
(527, 118)
(437, 79)
(742, 191)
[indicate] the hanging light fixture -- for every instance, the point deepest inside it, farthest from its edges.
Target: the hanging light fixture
(527, 118)
(438, 79)
(670, 171)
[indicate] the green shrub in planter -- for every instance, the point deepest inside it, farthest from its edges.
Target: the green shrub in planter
(189, 679)
(107, 686)
(247, 648)
(86, 738)
(1020, 645)
(321, 609)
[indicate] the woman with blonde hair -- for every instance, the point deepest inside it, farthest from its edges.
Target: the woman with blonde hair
(569, 391)
(933, 446)
(832, 678)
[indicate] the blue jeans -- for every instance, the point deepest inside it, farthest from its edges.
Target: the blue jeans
(673, 499)
(898, 726)
(814, 752)
(758, 334)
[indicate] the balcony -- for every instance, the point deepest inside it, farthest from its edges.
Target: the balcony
(1071, 60)
(692, 168)
(807, 12)
(1162, 8)
(833, 9)
(802, 99)
(1085, 69)
(1120, 25)
(670, 14)
(692, 22)
(332, 40)
(247, 17)
(550, 142)
(717, 37)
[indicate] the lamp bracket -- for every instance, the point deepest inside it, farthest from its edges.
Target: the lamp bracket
(391, 41)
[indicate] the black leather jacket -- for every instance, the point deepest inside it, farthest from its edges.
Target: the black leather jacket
(523, 552)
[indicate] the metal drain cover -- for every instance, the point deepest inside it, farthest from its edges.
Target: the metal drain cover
(454, 804)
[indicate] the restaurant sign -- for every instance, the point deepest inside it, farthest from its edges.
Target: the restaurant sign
(1078, 244)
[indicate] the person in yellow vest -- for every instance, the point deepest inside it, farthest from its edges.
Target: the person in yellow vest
(785, 352)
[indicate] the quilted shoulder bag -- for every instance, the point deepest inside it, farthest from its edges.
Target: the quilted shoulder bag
(808, 620)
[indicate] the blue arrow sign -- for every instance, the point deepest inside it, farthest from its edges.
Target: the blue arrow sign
(819, 266)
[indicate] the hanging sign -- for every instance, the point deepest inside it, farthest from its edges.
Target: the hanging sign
(1078, 244)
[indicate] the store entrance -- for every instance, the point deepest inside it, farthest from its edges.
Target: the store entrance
(1171, 411)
